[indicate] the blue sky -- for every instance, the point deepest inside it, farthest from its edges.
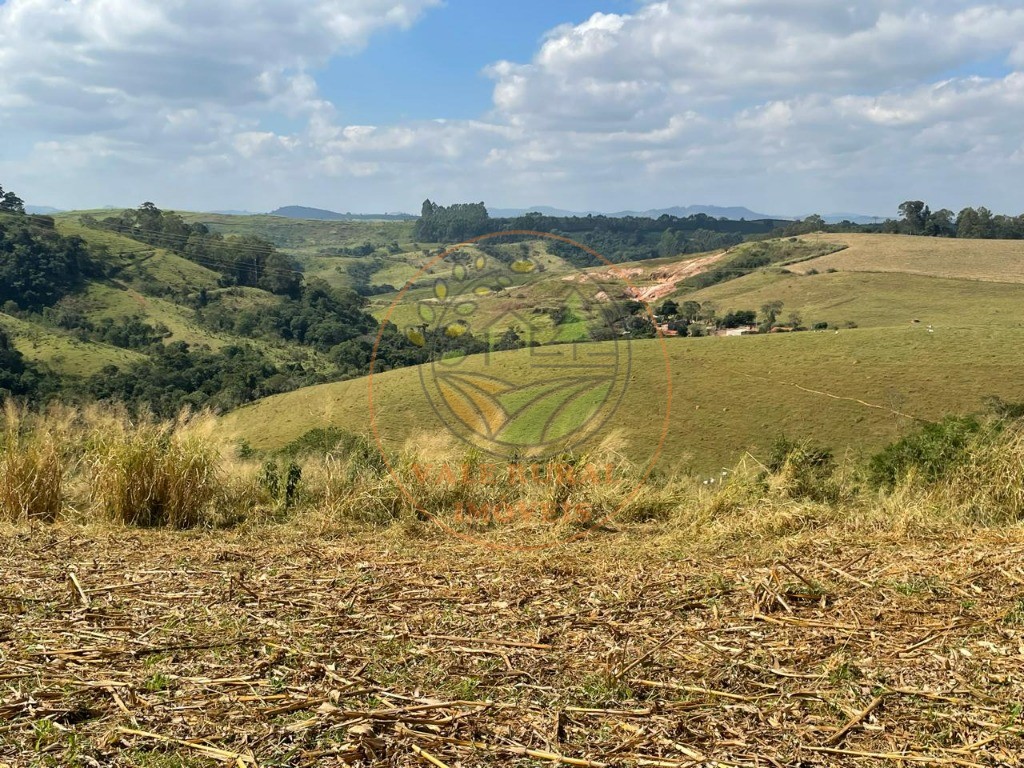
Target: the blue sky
(784, 106)
(435, 69)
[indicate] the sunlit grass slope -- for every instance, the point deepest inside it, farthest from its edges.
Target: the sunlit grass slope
(62, 352)
(138, 261)
(873, 299)
(995, 260)
(730, 395)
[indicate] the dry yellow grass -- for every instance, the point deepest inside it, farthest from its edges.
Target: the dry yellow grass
(993, 260)
(99, 463)
(31, 468)
(148, 473)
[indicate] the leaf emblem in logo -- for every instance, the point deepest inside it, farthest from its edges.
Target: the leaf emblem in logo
(525, 415)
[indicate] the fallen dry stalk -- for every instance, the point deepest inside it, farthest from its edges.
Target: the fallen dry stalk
(417, 651)
(214, 752)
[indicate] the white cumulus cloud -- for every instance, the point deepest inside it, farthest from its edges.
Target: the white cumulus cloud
(783, 105)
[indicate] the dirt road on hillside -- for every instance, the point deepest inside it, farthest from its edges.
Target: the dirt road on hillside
(650, 283)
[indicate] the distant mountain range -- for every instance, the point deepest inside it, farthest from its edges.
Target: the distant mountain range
(302, 212)
(719, 212)
(715, 211)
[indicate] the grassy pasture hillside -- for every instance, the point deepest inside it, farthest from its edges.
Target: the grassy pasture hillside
(890, 281)
(137, 261)
(118, 301)
(135, 268)
(730, 395)
(317, 244)
(142, 282)
(995, 260)
(62, 352)
(874, 299)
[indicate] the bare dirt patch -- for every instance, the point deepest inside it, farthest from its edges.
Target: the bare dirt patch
(651, 283)
(277, 648)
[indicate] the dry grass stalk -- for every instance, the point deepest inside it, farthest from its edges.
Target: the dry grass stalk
(31, 468)
(154, 474)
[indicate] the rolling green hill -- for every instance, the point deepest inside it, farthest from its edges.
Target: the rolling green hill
(136, 262)
(62, 352)
(889, 281)
(995, 260)
(319, 245)
(729, 395)
(854, 390)
(143, 283)
(875, 299)
(131, 303)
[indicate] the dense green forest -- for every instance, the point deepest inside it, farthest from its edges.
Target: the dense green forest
(616, 239)
(37, 265)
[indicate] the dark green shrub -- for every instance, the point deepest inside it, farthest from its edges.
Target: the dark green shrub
(334, 441)
(245, 450)
(281, 482)
(293, 476)
(268, 479)
(930, 452)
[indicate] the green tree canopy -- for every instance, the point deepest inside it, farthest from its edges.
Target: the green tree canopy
(37, 265)
(10, 202)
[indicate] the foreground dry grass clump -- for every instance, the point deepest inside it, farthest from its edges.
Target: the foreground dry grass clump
(31, 469)
(101, 464)
(150, 474)
(274, 648)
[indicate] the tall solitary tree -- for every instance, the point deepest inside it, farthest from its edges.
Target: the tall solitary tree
(770, 313)
(10, 202)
